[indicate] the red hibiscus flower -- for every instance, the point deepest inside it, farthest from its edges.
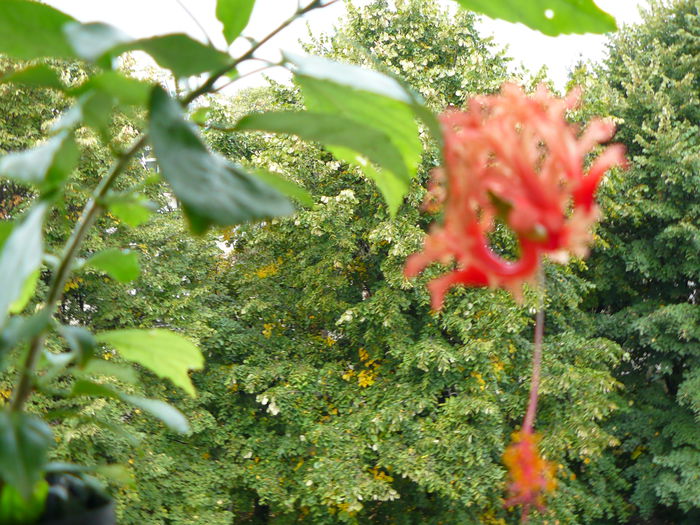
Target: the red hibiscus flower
(515, 158)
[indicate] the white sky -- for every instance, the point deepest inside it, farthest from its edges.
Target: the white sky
(143, 18)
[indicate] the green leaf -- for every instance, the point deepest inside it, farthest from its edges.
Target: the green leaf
(100, 367)
(199, 115)
(286, 187)
(94, 40)
(96, 111)
(167, 354)
(371, 100)
(117, 474)
(122, 265)
(39, 76)
(27, 293)
(19, 329)
(350, 76)
(24, 444)
(181, 54)
(211, 189)
(168, 414)
(234, 14)
(56, 365)
(21, 256)
(125, 90)
(133, 211)
(551, 17)
(357, 144)
(83, 387)
(360, 79)
(81, 342)
(6, 228)
(32, 30)
(15, 510)
(47, 164)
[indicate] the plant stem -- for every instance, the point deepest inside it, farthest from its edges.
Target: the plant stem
(529, 421)
(94, 207)
(63, 270)
(209, 84)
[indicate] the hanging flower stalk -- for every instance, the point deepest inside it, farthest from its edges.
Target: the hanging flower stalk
(514, 158)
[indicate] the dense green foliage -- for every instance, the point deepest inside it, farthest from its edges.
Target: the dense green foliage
(87, 168)
(331, 393)
(647, 266)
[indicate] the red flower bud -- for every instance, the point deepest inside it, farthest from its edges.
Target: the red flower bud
(530, 475)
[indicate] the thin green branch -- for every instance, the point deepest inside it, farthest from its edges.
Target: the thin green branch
(196, 21)
(94, 206)
(208, 85)
(63, 270)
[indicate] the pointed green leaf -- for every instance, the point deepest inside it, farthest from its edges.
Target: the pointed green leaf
(20, 329)
(551, 17)
(358, 78)
(46, 164)
(350, 76)
(168, 414)
(372, 100)
(211, 189)
(32, 30)
(21, 256)
(332, 130)
(84, 387)
(181, 54)
(118, 474)
(27, 293)
(92, 41)
(234, 14)
(286, 187)
(81, 342)
(199, 115)
(14, 509)
(40, 76)
(93, 108)
(167, 354)
(125, 90)
(355, 143)
(134, 210)
(99, 367)
(24, 444)
(57, 363)
(122, 265)
(96, 110)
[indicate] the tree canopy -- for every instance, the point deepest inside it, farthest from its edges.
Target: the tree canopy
(332, 393)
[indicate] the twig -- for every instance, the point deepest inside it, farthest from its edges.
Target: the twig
(529, 421)
(63, 270)
(95, 205)
(248, 74)
(197, 22)
(209, 84)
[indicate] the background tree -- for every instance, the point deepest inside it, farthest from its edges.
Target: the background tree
(339, 396)
(362, 111)
(646, 268)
